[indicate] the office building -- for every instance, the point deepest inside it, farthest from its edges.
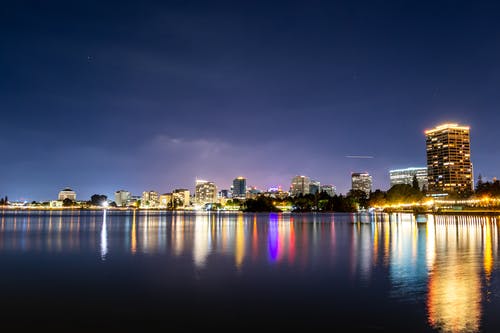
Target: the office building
(67, 193)
(150, 199)
(205, 192)
(314, 187)
(449, 167)
(361, 181)
(405, 176)
(300, 185)
(122, 198)
(181, 197)
(239, 188)
(166, 200)
(328, 189)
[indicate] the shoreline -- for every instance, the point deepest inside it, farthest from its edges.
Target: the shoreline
(3, 210)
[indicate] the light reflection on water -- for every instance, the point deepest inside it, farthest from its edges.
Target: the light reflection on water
(447, 264)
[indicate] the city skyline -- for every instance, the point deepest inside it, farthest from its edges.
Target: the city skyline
(192, 187)
(200, 90)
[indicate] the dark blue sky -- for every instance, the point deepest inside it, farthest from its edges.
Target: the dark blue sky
(151, 95)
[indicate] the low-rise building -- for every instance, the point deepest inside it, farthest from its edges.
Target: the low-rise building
(67, 193)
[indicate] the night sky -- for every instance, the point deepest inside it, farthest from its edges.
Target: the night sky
(146, 95)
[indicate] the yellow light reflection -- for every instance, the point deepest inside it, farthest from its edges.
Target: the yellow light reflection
(133, 241)
(454, 299)
(488, 250)
(240, 241)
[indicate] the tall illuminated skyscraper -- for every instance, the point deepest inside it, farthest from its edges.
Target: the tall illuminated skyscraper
(239, 188)
(449, 166)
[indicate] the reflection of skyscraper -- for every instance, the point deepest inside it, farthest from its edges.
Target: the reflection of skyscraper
(448, 159)
(239, 250)
(361, 181)
(454, 299)
(202, 240)
(407, 262)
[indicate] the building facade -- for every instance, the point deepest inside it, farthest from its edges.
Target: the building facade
(314, 187)
(150, 199)
(67, 193)
(239, 188)
(300, 185)
(181, 197)
(361, 181)
(166, 200)
(122, 198)
(328, 189)
(205, 192)
(449, 165)
(405, 176)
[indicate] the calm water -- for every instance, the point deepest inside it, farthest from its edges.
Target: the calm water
(89, 271)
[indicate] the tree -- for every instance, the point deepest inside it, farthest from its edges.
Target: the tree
(98, 199)
(403, 193)
(68, 202)
(377, 198)
(359, 197)
(260, 204)
(414, 183)
(479, 183)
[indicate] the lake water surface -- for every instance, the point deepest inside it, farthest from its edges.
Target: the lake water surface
(138, 271)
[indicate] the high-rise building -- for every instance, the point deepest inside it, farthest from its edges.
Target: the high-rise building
(205, 192)
(300, 185)
(361, 181)
(150, 199)
(405, 176)
(328, 189)
(240, 188)
(67, 193)
(181, 197)
(122, 198)
(314, 186)
(449, 166)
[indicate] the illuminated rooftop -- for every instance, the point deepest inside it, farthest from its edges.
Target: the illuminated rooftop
(446, 126)
(408, 169)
